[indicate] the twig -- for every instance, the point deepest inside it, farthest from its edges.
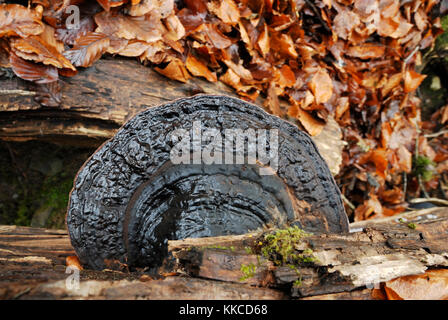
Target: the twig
(405, 184)
(17, 92)
(420, 182)
(347, 202)
(433, 200)
(409, 57)
(436, 134)
(21, 293)
(419, 177)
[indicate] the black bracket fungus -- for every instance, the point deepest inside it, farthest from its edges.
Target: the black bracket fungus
(133, 194)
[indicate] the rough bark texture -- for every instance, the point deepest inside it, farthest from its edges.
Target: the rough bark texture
(349, 266)
(98, 100)
(128, 197)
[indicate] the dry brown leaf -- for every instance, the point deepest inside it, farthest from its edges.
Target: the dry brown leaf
(392, 196)
(107, 4)
(175, 70)
(344, 23)
(421, 19)
(412, 80)
(154, 53)
(226, 10)
(215, 37)
(287, 77)
(17, 20)
(175, 28)
(371, 208)
(404, 159)
(199, 69)
(133, 48)
(389, 8)
(283, 45)
(432, 285)
(444, 114)
(164, 8)
(378, 157)
(272, 103)
(322, 86)
(49, 37)
(146, 278)
(392, 83)
(308, 102)
(142, 8)
(239, 69)
(32, 71)
(147, 28)
(366, 51)
(37, 49)
(263, 41)
(342, 106)
(231, 79)
(191, 22)
(88, 49)
(312, 125)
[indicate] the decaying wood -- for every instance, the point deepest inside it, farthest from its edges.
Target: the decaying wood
(377, 251)
(169, 288)
(99, 100)
(348, 266)
(32, 265)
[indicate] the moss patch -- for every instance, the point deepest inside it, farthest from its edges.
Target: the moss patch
(424, 167)
(279, 247)
(248, 271)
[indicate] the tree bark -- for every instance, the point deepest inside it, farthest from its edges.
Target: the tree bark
(347, 266)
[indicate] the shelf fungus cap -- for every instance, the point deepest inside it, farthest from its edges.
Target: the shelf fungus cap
(198, 167)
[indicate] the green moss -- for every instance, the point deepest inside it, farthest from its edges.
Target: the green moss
(442, 40)
(280, 246)
(248, 271)
(54, 194)
(297, 283)
(412, 225)
(423, 167)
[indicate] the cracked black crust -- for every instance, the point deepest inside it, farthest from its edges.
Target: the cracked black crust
(109, 178)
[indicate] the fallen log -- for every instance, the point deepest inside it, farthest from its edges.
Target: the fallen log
(346, 266)
(375, 253)
(96, 102)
